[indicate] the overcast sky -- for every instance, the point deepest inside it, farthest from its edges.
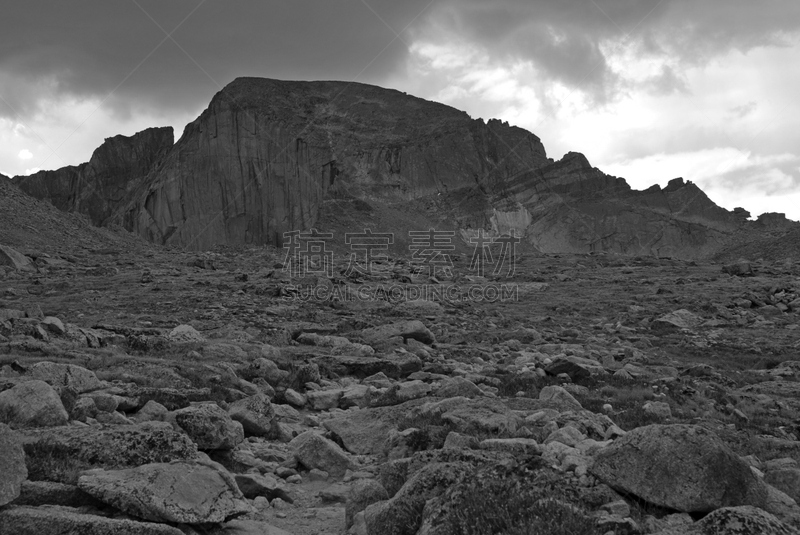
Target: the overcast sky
(649, 90)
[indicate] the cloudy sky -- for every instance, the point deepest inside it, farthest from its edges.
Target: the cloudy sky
(648, 89)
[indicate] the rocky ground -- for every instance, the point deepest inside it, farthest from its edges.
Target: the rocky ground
(146, 390)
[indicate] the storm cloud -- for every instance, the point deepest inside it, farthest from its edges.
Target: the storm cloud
(640, 86)
(122, 50)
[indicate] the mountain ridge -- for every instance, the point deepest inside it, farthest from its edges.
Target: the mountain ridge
(267, 155)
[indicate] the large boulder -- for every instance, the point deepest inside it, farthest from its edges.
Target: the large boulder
(124, 446)
(316, 451)
(413, 329)
(367, 431)
(786, 480)
(458, 386)
(58, 374)
(14, 259)
(559, 397)
(255, 414)
(210, 427)
(682, 467)
(363, 493)
(27, 520)
(181, 491)
(741, 520)
(32, 404)
(402, 514)
(12, 465)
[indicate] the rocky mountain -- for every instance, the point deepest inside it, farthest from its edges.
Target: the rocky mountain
(270, 156)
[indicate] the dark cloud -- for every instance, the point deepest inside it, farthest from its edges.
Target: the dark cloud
(113, 50)
(93, 48)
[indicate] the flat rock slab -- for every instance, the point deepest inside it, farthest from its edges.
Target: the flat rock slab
(27, 520)
(414, 329)
(181, 491)
(58, 374)
(124, 446)
(682, 467)
(247, 527)
(12, 465)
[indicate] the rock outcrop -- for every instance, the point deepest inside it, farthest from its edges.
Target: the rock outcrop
(96, 188)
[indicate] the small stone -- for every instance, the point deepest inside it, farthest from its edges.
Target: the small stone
(280, 505)
(294, 398)
(315, 474)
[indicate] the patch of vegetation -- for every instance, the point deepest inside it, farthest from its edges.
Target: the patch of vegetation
(626, 397)
(47, 460)
(513, 506)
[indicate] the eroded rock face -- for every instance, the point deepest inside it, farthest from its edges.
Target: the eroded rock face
(98, 187)
(683, 467)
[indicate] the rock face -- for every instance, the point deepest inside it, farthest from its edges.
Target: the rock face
(96, 188)
(266, 155)
(681, 467)
(181, 492)
(12, 465)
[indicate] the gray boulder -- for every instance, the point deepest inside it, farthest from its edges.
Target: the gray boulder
(682, 467)
(116, 447)
(181, 491)
(316, 451)
(27, 520)
(210, 427)
(363, 493)
(32, 404)
(58, 374)
(458, 386)
(255, 414)
(14, 259)
(12, 465)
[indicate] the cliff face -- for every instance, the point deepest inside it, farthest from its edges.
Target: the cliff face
(261, 159)
(98, 187)
(267, 156)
